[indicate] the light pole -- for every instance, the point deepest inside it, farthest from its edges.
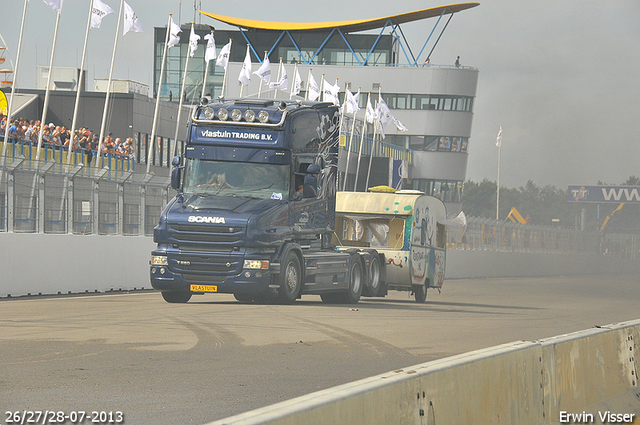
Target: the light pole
(499, 145)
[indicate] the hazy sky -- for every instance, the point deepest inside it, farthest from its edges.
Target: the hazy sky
(561, 77)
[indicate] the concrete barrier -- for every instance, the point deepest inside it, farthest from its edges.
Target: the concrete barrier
(463, 264)
(51, 264)
(593, 372)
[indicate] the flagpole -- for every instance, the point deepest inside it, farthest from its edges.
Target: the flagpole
(106, 101)
(339, 136)
(224, 79)
(373, 144)
(206, 72)
(155, 114)
(364, 130)
(293, 86)
(353, 127)
(260, 87)
(306, 93)
(75, 108)
(275, 91)
(241, 84)
(13, 89)
(204, 82)
(47, 91)
(184, 79)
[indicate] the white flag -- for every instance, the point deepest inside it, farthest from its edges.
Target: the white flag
(131, 21)
(371, 113)
(223, 57)
(499, 138)
(398, 124)
(351, 102)
(245, 72)
(297, 84)
(314, 90)
(99, 11)
(330, 93)
(210, 53)
(193, 42)
(264, 72)
(283, 83)
(55, 5)
(384, 113)
(174, 31)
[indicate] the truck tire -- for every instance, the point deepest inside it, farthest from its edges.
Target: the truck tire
(290, 278)
(356, 279)
(176, 297)
(374, 275)
(420, 292)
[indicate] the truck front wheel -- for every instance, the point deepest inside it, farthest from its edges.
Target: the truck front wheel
(176, 297)
(290, 279)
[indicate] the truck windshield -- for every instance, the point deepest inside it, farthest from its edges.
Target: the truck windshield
(244, 179)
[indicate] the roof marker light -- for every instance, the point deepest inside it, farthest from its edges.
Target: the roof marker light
(263, 117)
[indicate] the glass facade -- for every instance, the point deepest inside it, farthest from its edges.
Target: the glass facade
(305, 50)
(448, 191)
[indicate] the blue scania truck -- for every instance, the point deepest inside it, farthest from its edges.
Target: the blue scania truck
(256, 214)
(255, 208)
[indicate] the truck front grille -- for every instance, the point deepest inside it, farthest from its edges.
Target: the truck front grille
(211, 265)
(206, 237)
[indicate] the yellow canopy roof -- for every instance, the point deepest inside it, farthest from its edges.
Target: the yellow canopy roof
(345, 26)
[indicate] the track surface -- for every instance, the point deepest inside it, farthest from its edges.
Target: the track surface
(160, 363)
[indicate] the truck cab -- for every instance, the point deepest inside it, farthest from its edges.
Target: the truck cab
(255, 206)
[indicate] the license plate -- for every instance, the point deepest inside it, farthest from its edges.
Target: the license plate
(204, 288)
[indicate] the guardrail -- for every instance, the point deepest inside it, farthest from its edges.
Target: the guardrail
(583, 377)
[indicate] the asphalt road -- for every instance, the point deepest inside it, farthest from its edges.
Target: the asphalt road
(162, 363)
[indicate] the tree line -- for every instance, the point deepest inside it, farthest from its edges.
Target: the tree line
(547, 205)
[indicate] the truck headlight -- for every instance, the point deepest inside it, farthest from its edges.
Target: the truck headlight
(256, 264)
(159, 260)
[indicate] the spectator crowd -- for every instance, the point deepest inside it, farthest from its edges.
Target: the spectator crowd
(28, 131)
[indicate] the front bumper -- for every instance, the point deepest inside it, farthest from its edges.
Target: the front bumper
(225, 272)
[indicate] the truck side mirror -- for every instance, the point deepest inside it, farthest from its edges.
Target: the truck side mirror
(175, 173)
(175, 178)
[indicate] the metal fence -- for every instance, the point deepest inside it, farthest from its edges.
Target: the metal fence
(52, 197)
(491, 235)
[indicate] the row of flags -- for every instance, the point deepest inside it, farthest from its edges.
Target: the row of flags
(329, 92)
(100, 10)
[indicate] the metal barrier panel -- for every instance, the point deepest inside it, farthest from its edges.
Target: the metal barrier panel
(25, 202)
(55, 204)
(82, 206)
(108, 208)
(131, 210)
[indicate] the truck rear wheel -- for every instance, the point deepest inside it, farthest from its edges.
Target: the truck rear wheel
(290, 279)
(175, 297)
(356, 281)
(375, 275)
